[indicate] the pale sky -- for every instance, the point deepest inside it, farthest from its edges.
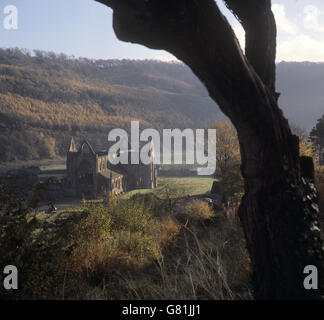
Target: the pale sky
(84, 28)
(300, 27)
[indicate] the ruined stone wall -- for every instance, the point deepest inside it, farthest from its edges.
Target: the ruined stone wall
(86, 176)
(102, 163)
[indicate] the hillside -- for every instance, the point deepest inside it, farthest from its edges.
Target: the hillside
(46, 98)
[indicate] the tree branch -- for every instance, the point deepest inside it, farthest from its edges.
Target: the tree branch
(184, 27)
(259, 24)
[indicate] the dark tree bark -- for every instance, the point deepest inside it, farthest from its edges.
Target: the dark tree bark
(259, 24)
(279, 213)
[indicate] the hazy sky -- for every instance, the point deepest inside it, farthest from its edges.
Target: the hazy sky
(84, 28)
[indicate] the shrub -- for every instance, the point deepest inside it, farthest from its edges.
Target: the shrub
(199, 210)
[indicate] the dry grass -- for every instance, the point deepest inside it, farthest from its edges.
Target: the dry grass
(208, 265)
(194, 256)
(134, 249)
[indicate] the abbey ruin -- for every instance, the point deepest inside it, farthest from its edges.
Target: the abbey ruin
(90, 174)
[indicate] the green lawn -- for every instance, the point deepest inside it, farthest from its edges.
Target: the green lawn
(55, 170)
(184, 186)
(176, 187)
(53, 167)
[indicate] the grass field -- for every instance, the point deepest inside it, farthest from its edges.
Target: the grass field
(54, 170)
(185, 186)
(176, 187)
(53, 167)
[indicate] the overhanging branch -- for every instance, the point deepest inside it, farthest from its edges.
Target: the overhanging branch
(198, 34)
(259, 24)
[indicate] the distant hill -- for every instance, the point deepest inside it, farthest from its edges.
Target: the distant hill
(46, 98)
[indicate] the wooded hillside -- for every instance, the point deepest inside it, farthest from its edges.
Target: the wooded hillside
(46, 98)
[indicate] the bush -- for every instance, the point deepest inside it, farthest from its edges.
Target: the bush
(199, 210)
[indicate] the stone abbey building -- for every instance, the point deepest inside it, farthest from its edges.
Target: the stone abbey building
(89, 174)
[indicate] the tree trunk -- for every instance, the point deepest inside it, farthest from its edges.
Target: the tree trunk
(278, 211)
(280, 219)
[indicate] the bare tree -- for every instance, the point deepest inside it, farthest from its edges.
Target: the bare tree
(279, 213)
